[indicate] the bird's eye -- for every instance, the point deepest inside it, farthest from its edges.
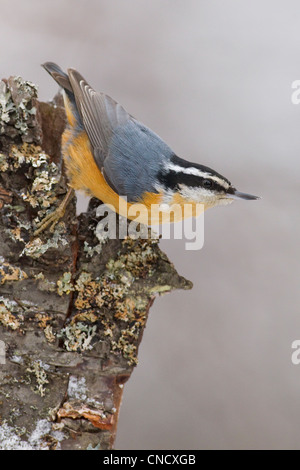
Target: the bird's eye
(207, 184)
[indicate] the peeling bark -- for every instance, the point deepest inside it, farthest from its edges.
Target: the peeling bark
(73, 307)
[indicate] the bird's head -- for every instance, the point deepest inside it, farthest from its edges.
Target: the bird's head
(199, 184)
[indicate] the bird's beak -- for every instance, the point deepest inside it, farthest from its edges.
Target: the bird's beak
(234, 194)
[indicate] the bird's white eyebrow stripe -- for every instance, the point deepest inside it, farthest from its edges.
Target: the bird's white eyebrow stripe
(187, 170)
(196, 172)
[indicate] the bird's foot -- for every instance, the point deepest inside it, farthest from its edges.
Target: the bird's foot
(50, 219)
(53, 218)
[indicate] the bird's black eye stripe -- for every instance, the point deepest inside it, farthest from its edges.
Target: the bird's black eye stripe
(172, 180)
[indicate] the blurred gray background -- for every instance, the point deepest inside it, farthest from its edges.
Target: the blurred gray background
(213, 79)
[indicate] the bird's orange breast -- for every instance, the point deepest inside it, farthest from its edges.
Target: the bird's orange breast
(83, 172)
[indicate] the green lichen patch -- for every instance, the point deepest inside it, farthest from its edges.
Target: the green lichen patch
(138, 258)
(114, 301)
(38, 370)
(37, 179)
(42, 174)
(18, 109)
(78, 336)
(38, 247)
(65, 284)
(90, 251)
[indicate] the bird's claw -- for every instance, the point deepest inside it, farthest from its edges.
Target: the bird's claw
(50, 219)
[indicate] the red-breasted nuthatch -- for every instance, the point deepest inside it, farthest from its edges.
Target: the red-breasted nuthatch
(115, 158)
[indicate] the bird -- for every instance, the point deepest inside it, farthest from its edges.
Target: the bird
(112, 156)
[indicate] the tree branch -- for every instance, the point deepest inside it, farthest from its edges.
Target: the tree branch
(73, 306)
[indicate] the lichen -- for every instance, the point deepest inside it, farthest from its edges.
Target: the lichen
(36, 247)
(45, 284)
(86, 289)
(126, 345)
(17, 109)
(44, 178)
(42, 319)
(160, 289)
(65, 284)
(116, 291)
(44, 322)
(43, 437)
(10, 440)
(27, 154)
(78, 336)
(78, 391)
(49, 334)
(3, 163)
(139, 258)
(91, 250)
(8, 272)
(38, 191)
(96, 447)
(38, 369)
(10, 314)
(77, 388)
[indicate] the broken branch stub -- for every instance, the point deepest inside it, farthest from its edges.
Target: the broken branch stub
(73, 307)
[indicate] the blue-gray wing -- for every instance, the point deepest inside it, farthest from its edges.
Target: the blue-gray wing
(129, 154)
(136, 155)
(100, 114)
